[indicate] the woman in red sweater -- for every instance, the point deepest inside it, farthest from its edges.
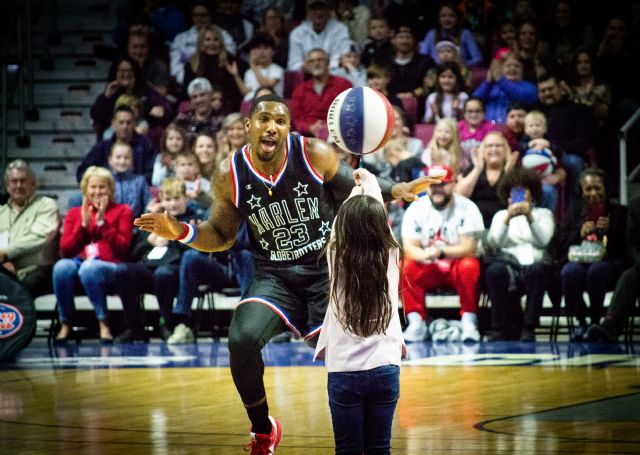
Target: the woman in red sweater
(95, 237)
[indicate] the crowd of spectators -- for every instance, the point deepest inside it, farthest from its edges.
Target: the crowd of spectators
(181, 80)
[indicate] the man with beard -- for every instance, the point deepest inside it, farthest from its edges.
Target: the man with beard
(282, 184)
(439, 241)
(311, 99)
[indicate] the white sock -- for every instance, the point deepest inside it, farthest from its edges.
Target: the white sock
(414, 317)
(469, 319)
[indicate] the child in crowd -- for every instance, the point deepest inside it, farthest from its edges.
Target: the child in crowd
(447, 99)
(135, 103)
(444, 147)
(514, 130)
(205, 149)
(535, 128)
(156, 269)
(361, 338)
(351, 68)
(262, 72)
(173, 142)
(472, 128)
(131, 189)
(198, 188)
(447, 51)
(378, 49)
(378, 79)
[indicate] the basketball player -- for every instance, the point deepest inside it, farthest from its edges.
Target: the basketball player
(285, 186)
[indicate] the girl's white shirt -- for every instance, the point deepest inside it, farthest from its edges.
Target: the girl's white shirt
(345, 351)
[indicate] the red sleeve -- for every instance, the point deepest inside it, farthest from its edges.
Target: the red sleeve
(116, 233)
(300, 122)
(74, 236)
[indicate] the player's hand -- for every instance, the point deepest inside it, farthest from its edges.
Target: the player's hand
(409, 191)
(161, 224)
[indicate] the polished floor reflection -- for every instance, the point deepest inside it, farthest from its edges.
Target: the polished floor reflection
(495, 398)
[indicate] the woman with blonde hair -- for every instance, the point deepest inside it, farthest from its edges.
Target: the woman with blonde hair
(212, 61)
(95, 238)
(491, 160)
(444, 147)
(232, 136)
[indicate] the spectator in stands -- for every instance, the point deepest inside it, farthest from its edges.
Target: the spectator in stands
(229, 18)
(447, 51)
(378, 79)
(350, 67)
(318, 31)
(448, 98)
(184, 45)
(201, 118)
(491, 161)
(135, 103)
(130, 189)
(95, 238)
(205, 149)
(439, 241)
(217, 271)
(198, 188)
(356, 17)
(401, 131)
(262, 71)
(505, 37)
(564, 33)
(173, 142)
(378, 49)
(274, 24)
(584, 87)
(529, 49)
(450, 27)
(144, 152)
(533, 140)
(571, 128)
(473, 128)
(311, 99)
(407, 68)
(514, 125)
(154, 70)
(29, 225)
(504, 85)
(254, 9)
(516, 258)
(211, 60)
(614, 55)
(444, 147)
(232, 136)
(153, 268)
(125, 77)
(598, 221)
(627, 291)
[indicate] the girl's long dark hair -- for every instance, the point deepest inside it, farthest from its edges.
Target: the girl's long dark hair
(359, 254)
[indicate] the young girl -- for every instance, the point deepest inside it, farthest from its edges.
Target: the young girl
(361, 338)
(473, 128)
(444, 147)
(198, 188)
(131, 189)
(449, 95)
(173, 142)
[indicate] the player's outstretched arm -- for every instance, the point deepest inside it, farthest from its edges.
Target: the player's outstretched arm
(215, 234)
(338, 176)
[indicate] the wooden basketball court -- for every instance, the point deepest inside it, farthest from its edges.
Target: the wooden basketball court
(495, 398)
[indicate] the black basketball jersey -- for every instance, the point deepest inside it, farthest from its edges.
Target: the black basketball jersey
(285, 214)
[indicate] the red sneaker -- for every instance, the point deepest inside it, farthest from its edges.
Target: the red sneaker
(261, 444)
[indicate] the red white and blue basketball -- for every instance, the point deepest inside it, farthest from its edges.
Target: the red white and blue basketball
(543, 161)
(360, 120)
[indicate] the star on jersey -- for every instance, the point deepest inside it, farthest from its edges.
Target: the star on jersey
(264, 244)
(254, 202)
(324, 228)
(301, 189)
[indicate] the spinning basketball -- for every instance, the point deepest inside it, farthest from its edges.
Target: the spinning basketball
(360, 120)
